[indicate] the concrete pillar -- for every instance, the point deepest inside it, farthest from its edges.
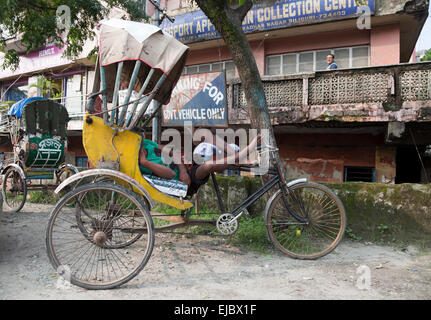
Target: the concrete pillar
(395, 131)
(385, 164)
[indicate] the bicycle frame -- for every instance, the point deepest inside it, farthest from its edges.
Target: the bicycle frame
(276, 179)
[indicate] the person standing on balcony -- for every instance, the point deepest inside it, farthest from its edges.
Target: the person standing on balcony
(330, 60)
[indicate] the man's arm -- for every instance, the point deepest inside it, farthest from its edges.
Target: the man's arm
(157, 169)
(184, 175)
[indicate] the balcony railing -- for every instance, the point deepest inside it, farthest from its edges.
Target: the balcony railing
(372, 94)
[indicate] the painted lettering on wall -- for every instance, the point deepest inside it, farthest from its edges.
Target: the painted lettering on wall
(199, 98)
(195, 26)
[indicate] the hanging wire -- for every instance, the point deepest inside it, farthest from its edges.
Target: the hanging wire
(1, 98)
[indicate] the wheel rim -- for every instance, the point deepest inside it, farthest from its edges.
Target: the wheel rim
(86, 242)
(14, 190)
(312, 239)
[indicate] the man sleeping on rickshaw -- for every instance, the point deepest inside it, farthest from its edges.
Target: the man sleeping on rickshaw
(196, 174)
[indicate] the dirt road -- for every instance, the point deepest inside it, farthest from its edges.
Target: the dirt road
(208, 268)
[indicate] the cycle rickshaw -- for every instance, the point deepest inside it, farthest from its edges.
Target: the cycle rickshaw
(101, 233)
(38, 133)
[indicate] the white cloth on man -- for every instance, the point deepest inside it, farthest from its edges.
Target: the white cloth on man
(207, 150)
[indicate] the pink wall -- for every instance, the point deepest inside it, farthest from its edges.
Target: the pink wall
(338, 39)
(323, 40)
(258, 48)
(385, 45)
(208, 55)
(222, 53)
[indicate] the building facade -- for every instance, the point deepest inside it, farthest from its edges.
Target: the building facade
(365, 121)
(369, 120)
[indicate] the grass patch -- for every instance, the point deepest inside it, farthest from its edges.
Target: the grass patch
(251, 233)
(43, 197)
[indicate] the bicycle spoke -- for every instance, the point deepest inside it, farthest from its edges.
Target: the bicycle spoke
(85, 233)
(323, 229)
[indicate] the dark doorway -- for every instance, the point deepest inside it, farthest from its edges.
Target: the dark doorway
(409, 166)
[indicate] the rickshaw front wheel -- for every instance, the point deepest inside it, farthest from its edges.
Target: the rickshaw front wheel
(14, 190)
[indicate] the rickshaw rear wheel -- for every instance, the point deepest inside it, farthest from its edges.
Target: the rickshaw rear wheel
(118, 244)
(14, 190)
(84, 247)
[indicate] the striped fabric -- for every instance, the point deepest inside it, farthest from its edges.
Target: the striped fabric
(171, 187)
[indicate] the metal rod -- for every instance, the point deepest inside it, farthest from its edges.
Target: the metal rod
(116, 89)
(104, 96)
(142, 111)
(141, 92)
(191, 222)
(158, 106)
(129, 92)
(217, 190)
(419, 155)
(255, 196)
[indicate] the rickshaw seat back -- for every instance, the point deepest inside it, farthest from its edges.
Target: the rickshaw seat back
(46, 117)
(45, 124)
(104, 143)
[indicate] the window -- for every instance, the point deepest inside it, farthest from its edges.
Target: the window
(342, 58)
(360, 57)
(306, 62)
(289, 63)
(143, 3)
(321, 59)
(359, 174)
(75, 98)
(229, 66)
(204, 68)
(311, 61)
(273, 65)
(230, 70)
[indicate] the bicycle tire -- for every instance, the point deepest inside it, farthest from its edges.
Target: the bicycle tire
(78, 246)
(23, 193)
(294, 238)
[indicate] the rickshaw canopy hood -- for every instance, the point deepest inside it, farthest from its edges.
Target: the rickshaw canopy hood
(122, 40)
(42, 115)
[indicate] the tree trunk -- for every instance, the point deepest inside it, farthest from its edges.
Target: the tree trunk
(227, 17)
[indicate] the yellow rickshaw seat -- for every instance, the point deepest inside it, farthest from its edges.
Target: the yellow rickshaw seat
(114, 144)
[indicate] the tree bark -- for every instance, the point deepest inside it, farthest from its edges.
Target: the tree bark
(227, 17)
